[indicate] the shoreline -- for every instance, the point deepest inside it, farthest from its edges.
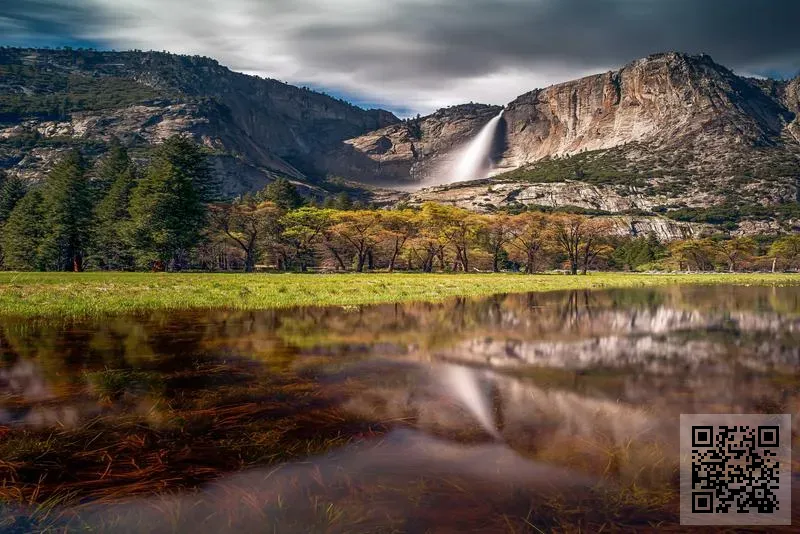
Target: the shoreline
(76, 295)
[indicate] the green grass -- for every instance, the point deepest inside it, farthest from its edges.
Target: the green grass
(93, 294)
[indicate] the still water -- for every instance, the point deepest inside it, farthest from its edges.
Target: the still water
(515, 413)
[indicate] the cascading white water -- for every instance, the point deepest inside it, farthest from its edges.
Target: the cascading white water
(474, 162)
(463, 382)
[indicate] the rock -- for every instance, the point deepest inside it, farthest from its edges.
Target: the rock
(262, 127)
(672, 129)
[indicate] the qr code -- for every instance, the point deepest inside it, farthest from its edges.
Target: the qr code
(735, 469)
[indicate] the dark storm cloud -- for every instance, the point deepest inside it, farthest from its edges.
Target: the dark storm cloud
(430, 53)
(46, 22)
(466, 38)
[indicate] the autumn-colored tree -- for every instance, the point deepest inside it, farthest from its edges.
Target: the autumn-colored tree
(592, 245)
(693, 253)
(303, 229)
(360, 231)
(735, 250)
(454, 227)
(786, 250)
(580, 238)
(528, 238)
(399, 226)
(429, 242)
(247, 223)
(494, 233)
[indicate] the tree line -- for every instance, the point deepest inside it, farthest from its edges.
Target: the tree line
(168, 216)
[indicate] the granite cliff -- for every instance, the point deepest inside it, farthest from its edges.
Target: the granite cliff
(670, 130)
(669, 134)
(255, 128)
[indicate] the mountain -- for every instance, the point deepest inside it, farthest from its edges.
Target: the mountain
(255, 128)
(670, 134)
(665, 132)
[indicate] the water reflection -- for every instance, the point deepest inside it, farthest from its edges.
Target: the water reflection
(492, 411)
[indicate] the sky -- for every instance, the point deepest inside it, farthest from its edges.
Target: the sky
(415, 56)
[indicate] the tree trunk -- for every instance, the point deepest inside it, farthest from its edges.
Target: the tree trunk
(249, 261)
(77, 263)
(774, 261)
(339, 259)
(574, 267)
(392, 261)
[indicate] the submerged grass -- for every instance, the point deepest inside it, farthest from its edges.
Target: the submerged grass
(95, 294)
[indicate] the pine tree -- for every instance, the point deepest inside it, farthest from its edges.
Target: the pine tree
(12, 189)
(283, 194)
(110, 247)
(169, 205)
(23, 233)
(110, 167)
(67, 216)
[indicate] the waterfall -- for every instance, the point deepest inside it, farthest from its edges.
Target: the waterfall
(474, 161)
(464, 383)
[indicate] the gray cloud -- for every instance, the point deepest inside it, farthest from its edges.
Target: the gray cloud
(425, 54)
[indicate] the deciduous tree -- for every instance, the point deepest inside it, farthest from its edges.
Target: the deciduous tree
(246, 222)
(735, 250)
(361, 231)
(399, 226)
(787, 250)
(529, 237)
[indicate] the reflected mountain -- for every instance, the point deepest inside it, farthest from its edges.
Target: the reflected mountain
(558, 408)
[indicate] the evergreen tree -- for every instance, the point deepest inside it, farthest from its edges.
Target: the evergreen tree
(23, 233)
(110, 167)
(341, 202)
(111, 249)
(169, 205)
(12, 189)
(67, 216)
(283, 194)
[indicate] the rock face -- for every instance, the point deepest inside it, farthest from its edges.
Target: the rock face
(673, 129)
(255, 128)
(665, 132)
(669, 98)
(412, 150)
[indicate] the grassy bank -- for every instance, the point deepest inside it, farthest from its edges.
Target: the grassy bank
(87, 294)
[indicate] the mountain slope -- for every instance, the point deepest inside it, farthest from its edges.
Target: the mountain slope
(669, 130)
(255, 128)
(663, 134)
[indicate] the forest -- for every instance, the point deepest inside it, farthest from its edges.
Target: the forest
(167, 215)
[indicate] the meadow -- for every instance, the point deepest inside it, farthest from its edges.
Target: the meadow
(101, 293)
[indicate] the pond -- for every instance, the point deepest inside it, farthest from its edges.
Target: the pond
(515, 413)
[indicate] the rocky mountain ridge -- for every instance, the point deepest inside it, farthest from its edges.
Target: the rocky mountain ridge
(661, 135)
(255, 128)
(670, 131)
